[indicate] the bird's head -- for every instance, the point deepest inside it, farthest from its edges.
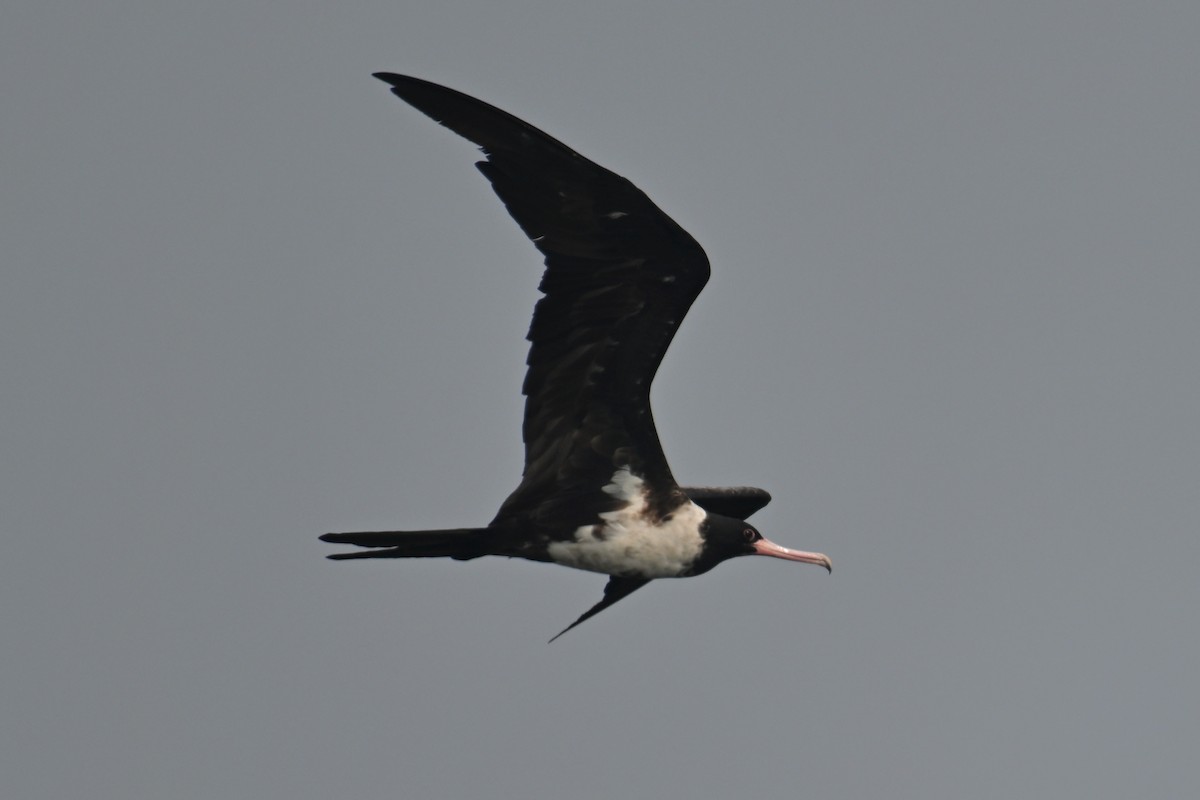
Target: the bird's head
(726, 538)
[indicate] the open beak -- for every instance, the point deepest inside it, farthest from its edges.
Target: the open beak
(766, 548)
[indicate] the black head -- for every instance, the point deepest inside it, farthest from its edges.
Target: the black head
(726, 538)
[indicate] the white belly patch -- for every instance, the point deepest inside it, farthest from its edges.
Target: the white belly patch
(627, 543)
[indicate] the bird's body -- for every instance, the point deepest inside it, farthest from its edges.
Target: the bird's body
(629, 543)
(597, 493)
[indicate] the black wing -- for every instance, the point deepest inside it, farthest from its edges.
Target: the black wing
(738, 502)
(616, 589)
(620, 276)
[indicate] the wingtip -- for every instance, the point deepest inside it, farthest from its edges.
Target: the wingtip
(399, 82)
(564, 630)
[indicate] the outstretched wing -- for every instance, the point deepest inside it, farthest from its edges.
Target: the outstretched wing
(620, 276)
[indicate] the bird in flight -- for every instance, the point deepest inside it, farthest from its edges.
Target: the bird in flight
(597, 493)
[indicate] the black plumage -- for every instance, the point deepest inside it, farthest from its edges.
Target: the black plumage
(620, 276)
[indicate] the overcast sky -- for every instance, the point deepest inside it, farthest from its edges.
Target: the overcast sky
(247, 297)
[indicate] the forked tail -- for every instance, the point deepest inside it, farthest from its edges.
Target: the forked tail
(459, 543)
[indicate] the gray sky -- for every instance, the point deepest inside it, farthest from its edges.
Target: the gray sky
(247, 297)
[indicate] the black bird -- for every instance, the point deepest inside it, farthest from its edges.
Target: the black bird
(597, 493)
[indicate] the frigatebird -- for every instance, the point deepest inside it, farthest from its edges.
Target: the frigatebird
(596, 493)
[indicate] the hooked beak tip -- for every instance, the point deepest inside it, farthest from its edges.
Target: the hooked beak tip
(764, 547)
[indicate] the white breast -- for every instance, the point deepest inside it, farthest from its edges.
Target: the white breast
(628, 543)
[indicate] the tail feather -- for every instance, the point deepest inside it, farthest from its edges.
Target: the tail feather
(459, 543)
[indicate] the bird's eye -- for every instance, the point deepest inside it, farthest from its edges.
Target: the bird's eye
(749, 535)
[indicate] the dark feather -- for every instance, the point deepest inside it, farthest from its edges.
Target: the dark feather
(738, 502)
(616, 589)
(620, 276)
(459, 543)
